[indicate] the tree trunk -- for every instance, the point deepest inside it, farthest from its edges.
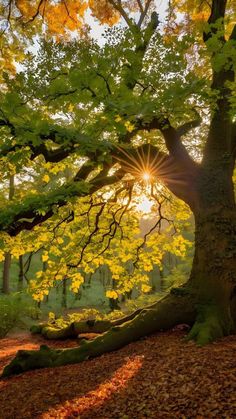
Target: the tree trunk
(64, 293)
(7, 260)
(21, 273)
(213, 277)
(6, 274)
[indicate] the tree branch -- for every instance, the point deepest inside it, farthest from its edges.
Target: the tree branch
(217, 12)
(142, 41)
(25, 216)
(117, 5)
(188, 126)
(140, 6)
(144, 11)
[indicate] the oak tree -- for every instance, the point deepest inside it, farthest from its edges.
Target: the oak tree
(156, 101)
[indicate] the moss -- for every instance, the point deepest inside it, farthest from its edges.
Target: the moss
(92, 326)
(36, 328)
(53, 332)
(211, 323)
(28, 360)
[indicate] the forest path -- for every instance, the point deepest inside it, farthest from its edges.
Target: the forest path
(158, 377)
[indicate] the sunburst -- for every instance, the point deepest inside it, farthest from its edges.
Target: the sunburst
(142, 163)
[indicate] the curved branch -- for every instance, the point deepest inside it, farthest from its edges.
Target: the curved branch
(172, 137)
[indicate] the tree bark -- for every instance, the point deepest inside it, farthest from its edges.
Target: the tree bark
(21, 273)
(6, 274)
(64, 293)
(213, 277)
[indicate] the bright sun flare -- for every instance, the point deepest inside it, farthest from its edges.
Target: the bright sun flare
(146, 176)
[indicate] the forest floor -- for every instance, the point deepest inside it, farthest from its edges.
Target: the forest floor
(158, 377)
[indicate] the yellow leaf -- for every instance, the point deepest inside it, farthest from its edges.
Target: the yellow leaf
(112, 294)
(145, 288)
(46, 178)
(2, 256)
(130, 127)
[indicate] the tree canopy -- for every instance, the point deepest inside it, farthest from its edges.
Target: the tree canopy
(109, 114)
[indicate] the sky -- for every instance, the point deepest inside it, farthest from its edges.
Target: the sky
(97, 29)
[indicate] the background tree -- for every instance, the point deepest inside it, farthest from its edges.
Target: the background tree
(143, 91)
(7, 258)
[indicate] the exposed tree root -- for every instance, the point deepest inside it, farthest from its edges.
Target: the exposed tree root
(72, 330)
(163, 315)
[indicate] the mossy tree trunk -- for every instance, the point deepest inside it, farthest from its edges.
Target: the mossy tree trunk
(213, 276)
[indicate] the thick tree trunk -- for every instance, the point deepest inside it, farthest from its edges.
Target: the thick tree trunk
(213, 277)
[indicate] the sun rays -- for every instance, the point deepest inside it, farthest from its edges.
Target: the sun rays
(145, 163)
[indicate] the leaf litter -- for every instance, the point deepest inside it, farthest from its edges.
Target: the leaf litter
(159, 377)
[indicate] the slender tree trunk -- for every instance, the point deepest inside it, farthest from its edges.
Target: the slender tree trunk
(6, 274)
(21, 273)
(64, 293)
(7, 260)
(44, 270)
